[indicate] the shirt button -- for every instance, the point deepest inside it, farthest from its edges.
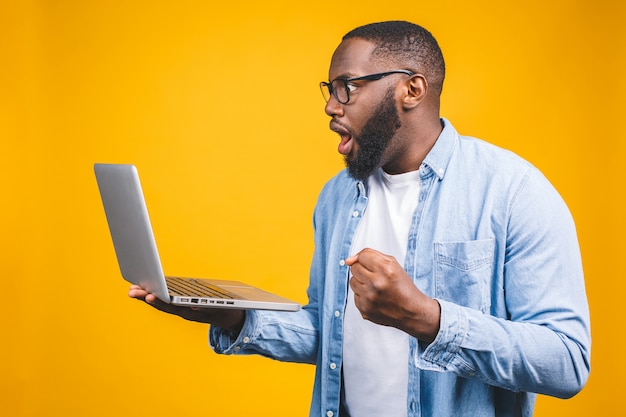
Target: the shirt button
(237, 348)
(440, 170)
(342, 262)
(246, 339)
(333, 365)
(355, 213)
(330, 413)
(337, 313)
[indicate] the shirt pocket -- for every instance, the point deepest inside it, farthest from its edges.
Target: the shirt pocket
(463, 271)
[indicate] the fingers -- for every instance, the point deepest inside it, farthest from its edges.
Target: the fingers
(358, 264)
(367, 264)
(136, 291)
(374, 270)
(139, 293)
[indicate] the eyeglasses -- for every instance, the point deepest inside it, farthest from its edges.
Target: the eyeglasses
(342, 87)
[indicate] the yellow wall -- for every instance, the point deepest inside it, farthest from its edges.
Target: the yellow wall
(218, 105)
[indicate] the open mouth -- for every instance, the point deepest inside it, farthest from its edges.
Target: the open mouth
(345, 145)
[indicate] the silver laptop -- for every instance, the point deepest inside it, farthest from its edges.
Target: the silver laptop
(138, 258)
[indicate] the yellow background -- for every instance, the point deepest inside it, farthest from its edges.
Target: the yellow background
(217, 103)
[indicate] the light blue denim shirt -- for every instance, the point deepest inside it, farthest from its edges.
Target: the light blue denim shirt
(495, 244)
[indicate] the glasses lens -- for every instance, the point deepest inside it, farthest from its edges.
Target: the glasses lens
(340, 88)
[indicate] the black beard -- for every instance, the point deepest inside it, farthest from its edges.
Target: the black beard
(374, 139)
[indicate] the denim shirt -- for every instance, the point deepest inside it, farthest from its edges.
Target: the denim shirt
(495, 244)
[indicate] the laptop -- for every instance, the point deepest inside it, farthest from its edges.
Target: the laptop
(138, 258)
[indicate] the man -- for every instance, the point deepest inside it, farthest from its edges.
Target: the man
(446, 278)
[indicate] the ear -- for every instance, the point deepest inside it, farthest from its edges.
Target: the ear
(417, 87)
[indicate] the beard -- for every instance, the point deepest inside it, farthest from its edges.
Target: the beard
(374, 139)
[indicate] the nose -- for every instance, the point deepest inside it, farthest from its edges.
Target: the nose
(333, 107)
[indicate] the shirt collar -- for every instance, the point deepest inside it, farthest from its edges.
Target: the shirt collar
(439, 156)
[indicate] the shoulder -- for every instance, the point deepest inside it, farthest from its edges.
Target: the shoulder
(477, 160)
(472, 158)
(492, 156)
(336, 190)
(481, 167)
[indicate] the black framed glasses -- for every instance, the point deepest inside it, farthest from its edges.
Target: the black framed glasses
(341, 87)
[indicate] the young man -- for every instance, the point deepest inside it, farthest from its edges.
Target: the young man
(446, 278)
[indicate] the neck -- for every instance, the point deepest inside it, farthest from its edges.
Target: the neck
(412, 146)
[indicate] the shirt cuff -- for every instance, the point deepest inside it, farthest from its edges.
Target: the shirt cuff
(227, 342)
(439, 354)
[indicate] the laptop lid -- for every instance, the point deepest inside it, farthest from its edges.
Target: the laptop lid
(130, 227)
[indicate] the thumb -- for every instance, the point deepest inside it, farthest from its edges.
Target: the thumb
(351, 260)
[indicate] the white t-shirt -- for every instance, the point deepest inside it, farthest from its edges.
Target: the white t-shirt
(375, 357)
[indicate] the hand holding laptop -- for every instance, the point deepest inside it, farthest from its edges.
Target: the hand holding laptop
(230, 319)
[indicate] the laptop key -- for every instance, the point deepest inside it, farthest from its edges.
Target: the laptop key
(199, 288)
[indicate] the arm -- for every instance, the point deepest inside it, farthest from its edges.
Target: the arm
(543, 345)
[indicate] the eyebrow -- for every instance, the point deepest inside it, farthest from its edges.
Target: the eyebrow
(345, 75)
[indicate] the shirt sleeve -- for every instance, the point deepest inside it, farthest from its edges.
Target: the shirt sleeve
(543, 345)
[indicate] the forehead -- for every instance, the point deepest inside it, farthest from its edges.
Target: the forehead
(352, 58)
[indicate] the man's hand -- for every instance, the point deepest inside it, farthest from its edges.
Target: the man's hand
(385, 294)
(225, 318)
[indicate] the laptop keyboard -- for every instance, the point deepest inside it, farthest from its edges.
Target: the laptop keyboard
(197, 288)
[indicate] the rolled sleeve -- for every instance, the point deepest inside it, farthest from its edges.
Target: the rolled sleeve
(227, 342)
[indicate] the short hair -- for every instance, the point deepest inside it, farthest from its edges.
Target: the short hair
(408, 45)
